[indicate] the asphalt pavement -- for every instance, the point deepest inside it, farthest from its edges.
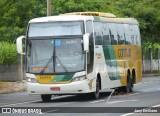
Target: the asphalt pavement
(143, 101)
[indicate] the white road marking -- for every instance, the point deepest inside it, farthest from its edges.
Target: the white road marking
(135, 93)
(97, 101)
(114, 101)
(110, 96)
(138, 84)
(156, 106)
(32, 101)
(51, 111)
(121, 101)
(146, 82)
(20, 103)
(127, 114)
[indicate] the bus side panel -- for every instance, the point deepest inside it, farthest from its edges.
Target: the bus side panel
(104, 67)
(112, 65)
(128, 58)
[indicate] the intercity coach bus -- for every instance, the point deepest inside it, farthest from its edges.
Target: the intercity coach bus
(81, 53)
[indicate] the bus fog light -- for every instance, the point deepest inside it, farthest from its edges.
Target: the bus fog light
(78, 78)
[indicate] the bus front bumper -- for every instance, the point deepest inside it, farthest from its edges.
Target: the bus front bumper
(78, 87)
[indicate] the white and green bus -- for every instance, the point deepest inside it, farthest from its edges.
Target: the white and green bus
(81, 52)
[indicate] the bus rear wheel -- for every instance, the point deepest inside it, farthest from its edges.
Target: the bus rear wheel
(129, 87)
(46, 98)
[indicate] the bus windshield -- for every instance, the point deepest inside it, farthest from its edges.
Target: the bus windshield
(55, 55)
(55, 29)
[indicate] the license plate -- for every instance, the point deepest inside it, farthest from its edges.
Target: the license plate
(55, 88)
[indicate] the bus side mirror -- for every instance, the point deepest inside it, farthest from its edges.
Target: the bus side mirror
(86, 42)
(19, 43)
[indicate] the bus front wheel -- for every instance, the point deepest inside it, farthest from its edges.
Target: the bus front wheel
(46, 98)
(96, 93)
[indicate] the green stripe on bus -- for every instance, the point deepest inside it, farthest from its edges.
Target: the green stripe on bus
(60, 78)
(110, 58)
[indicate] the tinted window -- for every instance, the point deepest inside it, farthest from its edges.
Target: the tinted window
(98, 33)
(137, 37)
(113, 33)
(127, 34)
(120, 34)
(105, 31)
(55, 29)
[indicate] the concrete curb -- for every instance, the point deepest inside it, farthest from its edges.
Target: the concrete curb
(149, 75)
(12, 87)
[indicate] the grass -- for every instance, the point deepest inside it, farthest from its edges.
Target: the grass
(158, 73)
(8, 53)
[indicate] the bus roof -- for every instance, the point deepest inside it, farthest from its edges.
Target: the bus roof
(100, 14)
(108, 17)
(117, 20)
(61, 18)
(77, 16)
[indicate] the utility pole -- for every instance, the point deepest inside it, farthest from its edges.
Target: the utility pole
(48, 7)
(158, 56)
(150, 58)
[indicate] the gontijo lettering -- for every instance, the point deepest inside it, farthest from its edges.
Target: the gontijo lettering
(124, 52)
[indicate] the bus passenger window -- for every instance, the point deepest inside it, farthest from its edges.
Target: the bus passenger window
(120, 34)
(105, 30)
(113, 33)
(98, 33)
(106, 40)
(113, 41)
(98, 40)
(127, 34)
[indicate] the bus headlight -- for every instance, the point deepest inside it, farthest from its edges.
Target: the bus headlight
(31, 80)
(78, 78)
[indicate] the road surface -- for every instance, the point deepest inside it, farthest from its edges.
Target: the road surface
(144, 101)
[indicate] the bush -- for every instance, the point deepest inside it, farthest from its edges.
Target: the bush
(8, 53)
(153, 47)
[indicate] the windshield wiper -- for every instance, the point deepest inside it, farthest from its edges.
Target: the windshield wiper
(61, 64)
(49, 61)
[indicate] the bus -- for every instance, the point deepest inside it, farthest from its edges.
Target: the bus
(81, 53)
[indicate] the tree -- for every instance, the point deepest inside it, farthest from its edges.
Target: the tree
(16, 14)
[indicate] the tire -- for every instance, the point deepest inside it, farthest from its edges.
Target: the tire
(46, 98)
(96, 93)
(129, 87)
(132, 86)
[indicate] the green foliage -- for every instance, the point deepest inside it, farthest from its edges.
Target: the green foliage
(153, 47)
(158, 73)
(145, 11)
(15, 14)
(8, 53)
